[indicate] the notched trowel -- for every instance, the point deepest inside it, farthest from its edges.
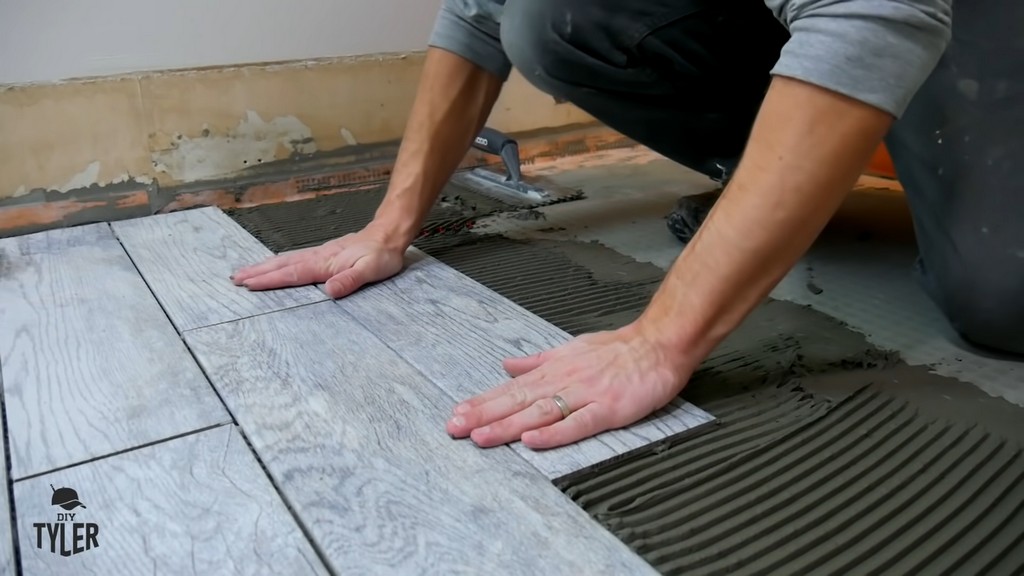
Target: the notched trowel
(510, 187)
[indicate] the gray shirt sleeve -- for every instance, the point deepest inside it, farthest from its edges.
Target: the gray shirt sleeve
(877, 51)
(471, 29)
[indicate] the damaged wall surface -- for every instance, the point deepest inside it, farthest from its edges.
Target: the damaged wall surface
(141, 93)
(188, 127)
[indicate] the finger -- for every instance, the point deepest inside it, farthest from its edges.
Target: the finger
(514, 400)
(512, 386)
(300, 274)
(581, 424)
(269, 265)
(539, 414)
(516, 367)
(505, 388)
(348, 281)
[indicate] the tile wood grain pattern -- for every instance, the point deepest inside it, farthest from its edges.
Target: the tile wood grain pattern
(354, 439)
(91, 366)
(6, 537)
(457, 332)
(199, 504)
(187, 258)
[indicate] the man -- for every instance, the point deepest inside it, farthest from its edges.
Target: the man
(805, 90)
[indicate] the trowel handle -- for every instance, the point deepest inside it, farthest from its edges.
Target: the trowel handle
(493, 142)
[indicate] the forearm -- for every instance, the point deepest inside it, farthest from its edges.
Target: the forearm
(805, 152)
(453, 101)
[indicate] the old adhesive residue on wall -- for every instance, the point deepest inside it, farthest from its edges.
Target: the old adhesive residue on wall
(87, 177)
(252, 142)
(70, 136)
(152, 124)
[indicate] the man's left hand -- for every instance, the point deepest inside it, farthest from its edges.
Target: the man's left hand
(607, 379)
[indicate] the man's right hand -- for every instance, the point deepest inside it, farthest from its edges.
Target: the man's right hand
(344, 264)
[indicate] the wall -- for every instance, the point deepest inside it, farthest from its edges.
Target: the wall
(49, 41)
(251, 93)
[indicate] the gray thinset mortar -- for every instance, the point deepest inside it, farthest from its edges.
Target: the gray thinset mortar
(552, 278)
(304, 223)
(830, 456)
(301, 224)
(577, 287)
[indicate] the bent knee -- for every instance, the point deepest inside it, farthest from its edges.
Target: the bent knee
(541, 38)
(986, 306)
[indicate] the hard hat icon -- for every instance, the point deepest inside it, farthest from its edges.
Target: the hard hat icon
(65, 497)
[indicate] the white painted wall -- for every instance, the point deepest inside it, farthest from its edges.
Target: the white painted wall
(49, 40)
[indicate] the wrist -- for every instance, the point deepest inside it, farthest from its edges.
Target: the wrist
(394, 232)
(678, 348)
(399, 218)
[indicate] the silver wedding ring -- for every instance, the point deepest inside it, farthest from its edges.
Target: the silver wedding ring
(562, 406)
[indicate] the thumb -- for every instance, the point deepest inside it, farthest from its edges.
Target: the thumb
(347, 281)
(516, 367)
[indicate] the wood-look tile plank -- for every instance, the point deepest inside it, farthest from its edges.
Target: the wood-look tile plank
(354, 438)
(457, 332)
(91, 365)
(199, 504)
(187, 258)
(6, 537)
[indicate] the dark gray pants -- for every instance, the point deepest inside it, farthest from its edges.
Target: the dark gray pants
(681, 77)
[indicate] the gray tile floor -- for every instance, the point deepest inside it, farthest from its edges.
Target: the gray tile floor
(162, 419)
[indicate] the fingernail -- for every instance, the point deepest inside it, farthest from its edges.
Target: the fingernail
(459, 421)
(462, 408)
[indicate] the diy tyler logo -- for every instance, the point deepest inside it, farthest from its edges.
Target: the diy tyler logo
(65, 536)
